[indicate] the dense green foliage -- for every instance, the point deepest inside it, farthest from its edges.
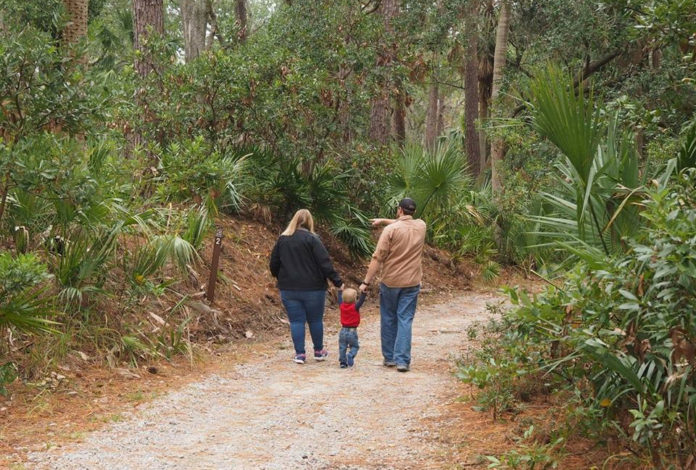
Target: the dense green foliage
(619, 333)
(110, 181)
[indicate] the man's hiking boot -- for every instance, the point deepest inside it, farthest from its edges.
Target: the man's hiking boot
(402, 367)
(389, 363)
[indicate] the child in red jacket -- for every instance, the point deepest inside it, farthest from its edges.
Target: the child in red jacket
(350, 319)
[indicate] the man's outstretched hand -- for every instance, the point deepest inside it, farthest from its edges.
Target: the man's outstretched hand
(380, 222)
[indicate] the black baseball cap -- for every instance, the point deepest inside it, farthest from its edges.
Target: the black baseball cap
(408, 204)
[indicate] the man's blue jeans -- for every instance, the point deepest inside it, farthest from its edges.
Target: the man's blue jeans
(305, 306)
(348, 339)
(397, 307)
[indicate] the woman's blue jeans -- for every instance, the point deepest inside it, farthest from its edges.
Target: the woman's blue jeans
(397, 307)
(305, 306)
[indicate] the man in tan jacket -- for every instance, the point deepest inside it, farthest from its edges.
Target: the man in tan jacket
(399, 252)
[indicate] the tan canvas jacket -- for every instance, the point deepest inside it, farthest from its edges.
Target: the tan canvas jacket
(399, 252)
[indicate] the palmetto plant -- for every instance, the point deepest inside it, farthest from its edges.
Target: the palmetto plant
(686, 158)
(351, 228)
(599, 183)
(621, 330)
(23, 303)
(435, 179)
(458, 217)
(80, 265)
(194, 169)
(286, 185)
(197, 225)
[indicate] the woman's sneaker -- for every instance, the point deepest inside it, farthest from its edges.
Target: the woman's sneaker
(321, 355)
(300, 358)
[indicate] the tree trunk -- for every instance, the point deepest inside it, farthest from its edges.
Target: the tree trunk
(484, 90)
(344, 106)
(431, 116)
(214, 30)
(442, 106)
(471, 91)
(379, 119)
(380, 113)
(194, 17)
(76, 28)
(497, 146)
(148, 19)
(485, 78)
(400, 114)
(240, 10)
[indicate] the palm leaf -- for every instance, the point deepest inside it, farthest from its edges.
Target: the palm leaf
(27, 311)
(567, 118)
(441, 176)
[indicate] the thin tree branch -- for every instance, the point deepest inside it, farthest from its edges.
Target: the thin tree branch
(589, 69)
(374, 8)
(592, 67)
(444, 83)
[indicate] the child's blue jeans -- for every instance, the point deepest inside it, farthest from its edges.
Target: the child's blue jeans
(348, 345)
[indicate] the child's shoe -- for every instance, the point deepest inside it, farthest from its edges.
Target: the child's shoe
(321, 355)
(343, 365)
(350, 361)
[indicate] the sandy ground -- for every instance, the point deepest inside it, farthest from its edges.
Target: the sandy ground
(270, 413)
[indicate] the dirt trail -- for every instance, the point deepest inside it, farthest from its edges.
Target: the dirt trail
(273, 414)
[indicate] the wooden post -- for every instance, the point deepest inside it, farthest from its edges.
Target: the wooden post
(210, 294)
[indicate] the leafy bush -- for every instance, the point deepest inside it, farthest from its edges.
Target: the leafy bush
(435, 179)
(504, 368)
(23, 303)
(194, 170)
(622, 331)
(59, 183)
(597, 186)
(8, 373)
(287, 184)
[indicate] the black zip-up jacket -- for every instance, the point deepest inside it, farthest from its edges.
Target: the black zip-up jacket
(300, 262)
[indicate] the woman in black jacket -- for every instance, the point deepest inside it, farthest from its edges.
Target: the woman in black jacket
(302, 265)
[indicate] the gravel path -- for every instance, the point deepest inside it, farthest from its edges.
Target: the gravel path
(273, 414)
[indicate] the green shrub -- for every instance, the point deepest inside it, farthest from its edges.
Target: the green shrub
(599, 182)
(8, 373)
(198, 224)
(287, 184)
(193, 170)
(23, 303)
(621, 332)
